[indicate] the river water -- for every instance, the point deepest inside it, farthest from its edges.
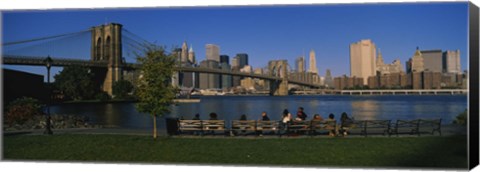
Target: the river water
(393, 107)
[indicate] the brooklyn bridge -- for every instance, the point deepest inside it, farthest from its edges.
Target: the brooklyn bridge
(111, 54)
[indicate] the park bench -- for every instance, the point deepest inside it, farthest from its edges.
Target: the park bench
(267, 126)
(298, 127)
(406, 127)
(430, 126)
(317, 127)
(367, 127)
(189, 126)
(243, 126)
(212, 126)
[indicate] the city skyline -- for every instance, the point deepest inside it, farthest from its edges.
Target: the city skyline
(272, 37)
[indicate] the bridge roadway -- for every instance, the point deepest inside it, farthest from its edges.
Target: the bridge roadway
(60, 62)
(383, 92)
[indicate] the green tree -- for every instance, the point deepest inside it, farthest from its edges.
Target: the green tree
(155, 92)
(121, 89)
(76, 82)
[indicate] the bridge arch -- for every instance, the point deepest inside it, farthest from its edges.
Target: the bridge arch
(107, 48)
(98, 50)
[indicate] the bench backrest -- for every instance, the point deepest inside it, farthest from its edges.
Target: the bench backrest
(324, 124)
(213, 124)
(243, 124)
(369, 124)
(377, 123)
(430, 122)
(189, 125)
(407, 123)
(299, 125)
(267, 125)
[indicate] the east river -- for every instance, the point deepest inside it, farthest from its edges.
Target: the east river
(124, 115)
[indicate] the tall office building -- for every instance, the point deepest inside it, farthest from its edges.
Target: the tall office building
(238, 62)
(362, 60)
(247, 82)
(452, 62)
(242, 59)
(300, 64)
(209, 80)
(224, 59)
(328, 79)
(226, 80)
(177, 52)
(432, 60)
(184, 53)
(212, 52)
(379, 61)
(382, 68)
(235, 79)
(313, 63)
(191, 56)
(235, 62)
(417, 64)
(260, 83)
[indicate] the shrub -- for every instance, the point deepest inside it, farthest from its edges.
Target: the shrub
(22, 109)
(102, 96)
(121, 89)
(461, 118)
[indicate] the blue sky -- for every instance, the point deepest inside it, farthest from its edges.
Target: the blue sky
(268, 32)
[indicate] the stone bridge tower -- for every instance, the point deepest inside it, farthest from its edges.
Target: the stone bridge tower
(107, 47)
(278, 68)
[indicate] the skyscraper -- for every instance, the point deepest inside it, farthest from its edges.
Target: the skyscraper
(226, 80)
(300, 62)
(452, 62)
(417, 64)
(191, 56)
(177, 52)
(209, 80)
(379, 62)
(300, 66)
(242, 59)
(224, 59)
(362, 59)
(328, 79)
(382, 68)
(313, 63)
(212, 52)
(432, 60)
(184, 53)
(235, 62)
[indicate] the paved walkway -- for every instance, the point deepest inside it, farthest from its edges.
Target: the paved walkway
(447, 130)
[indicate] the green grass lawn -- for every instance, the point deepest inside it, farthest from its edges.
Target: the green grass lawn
(420, 152)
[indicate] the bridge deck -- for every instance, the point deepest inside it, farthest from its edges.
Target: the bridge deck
(40, 61)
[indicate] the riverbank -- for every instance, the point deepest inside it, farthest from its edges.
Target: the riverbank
(57, 121)
(97, 101)
(447, 130)
(383, 152)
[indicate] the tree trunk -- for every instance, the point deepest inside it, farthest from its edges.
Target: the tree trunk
(155, 127)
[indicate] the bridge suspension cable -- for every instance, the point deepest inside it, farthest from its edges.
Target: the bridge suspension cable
(44, 38)
(135, 36)
(72, 45)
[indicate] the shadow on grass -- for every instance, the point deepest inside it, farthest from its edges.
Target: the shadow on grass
(379, 152)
